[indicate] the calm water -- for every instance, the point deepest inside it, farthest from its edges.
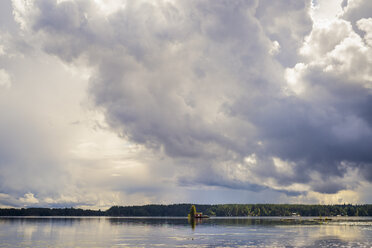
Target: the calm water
(178, 232)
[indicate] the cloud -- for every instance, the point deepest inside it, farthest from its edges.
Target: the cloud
(29, 198)
(250, 95)
(334, 89)
(285, 23)
(5, 80)
(366, 26)
(356, 10)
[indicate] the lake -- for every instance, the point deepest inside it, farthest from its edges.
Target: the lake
(179, 232)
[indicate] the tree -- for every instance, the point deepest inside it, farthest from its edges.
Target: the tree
(192, 211)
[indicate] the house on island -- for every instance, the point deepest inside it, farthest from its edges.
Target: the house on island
(199, 215)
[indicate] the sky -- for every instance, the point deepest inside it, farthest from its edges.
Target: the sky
(124, 102)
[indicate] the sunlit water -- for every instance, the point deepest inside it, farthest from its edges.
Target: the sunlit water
(178, 232)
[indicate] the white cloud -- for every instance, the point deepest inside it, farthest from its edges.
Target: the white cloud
(20, 10)
(326, 11)
(275, 49)
(324, 38)
(336, 51)
(366, 26)
(5, 80)
(29, 198)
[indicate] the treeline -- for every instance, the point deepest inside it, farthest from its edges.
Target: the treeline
(211, 210)
(50, 212)
(243, 210)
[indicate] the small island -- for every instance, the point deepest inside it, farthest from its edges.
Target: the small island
(195, 215)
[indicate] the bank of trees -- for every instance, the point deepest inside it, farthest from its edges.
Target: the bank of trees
(289, 209)
(50, 212)
(243, 210)
(211, 210)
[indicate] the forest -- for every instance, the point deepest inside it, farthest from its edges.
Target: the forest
(211, 210)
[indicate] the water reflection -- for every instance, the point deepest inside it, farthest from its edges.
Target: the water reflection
(181, 232)
(194, 221)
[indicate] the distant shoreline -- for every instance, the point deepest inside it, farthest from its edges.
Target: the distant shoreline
(219, 210)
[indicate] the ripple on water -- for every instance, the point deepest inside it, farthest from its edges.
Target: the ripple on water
(178, 233)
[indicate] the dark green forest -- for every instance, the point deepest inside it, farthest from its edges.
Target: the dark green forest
(211, 210)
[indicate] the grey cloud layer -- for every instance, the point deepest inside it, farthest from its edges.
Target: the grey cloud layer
(198, 81)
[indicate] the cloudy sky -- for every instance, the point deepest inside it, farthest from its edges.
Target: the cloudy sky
(121, 102)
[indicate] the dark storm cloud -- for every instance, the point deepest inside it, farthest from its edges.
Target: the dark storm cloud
(198, 81)
(328, 187)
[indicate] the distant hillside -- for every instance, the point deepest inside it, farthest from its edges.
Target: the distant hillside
(212, 210)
